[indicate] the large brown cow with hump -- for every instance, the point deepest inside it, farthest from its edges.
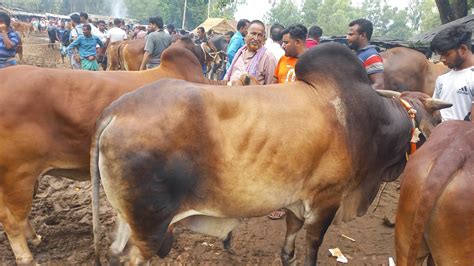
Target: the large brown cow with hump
(46, 125)
(208, 156)
(435, 216)
(406, 69)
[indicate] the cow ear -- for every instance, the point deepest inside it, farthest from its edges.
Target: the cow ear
(437, 104)
(389, 93)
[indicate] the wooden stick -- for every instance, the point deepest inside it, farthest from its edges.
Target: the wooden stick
(380, 196)
(350, 238)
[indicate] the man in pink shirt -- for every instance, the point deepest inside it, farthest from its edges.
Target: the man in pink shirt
(314, 33)
(253, 58)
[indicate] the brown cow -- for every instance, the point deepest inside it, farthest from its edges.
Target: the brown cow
(128, 55)
(205, 157)
(23, 28)
(113, 56)
(435, 215)
(46, 125)
(409, 70)
(131, 54)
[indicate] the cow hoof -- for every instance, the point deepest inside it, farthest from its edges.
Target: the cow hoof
(166, 245)
(389, 221)
(26, 261)
(288, 259)
(114, 260)
(228, 242)
(36, 241)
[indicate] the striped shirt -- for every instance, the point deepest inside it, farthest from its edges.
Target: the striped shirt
(371, 59)
(8, 54)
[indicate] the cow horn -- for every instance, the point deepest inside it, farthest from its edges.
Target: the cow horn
(388, 93)
(437, 104)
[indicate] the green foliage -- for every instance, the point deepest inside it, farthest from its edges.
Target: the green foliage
(429, 16)
(170, 10)
(333, 16)
(283, 12)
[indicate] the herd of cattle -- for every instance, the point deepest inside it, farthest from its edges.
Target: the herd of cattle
(128, 55)
(173, 148)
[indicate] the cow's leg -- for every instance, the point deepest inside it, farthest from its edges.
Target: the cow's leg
(31, 234)
(122, 235)
(16, 197)
(143, 246)
(228, 242)
(316, 226)
(293, 225)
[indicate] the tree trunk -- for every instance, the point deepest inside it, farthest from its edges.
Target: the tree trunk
(460, 8)
(449, 12)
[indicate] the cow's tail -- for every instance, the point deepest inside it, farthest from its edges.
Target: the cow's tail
(95, 176)
(444, 169)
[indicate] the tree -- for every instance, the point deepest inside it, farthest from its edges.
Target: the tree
(452, 10)
(283, 12)
(430, 18)
(332, 16)
(414, 14)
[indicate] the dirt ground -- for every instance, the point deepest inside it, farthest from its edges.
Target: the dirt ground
(62, 215)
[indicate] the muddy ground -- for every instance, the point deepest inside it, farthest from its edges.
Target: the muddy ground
(62, 215)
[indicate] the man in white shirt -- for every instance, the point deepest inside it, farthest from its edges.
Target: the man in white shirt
(85, 21)
(453, 44)
(273, 44)
(115, 34)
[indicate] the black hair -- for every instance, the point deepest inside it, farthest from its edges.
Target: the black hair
(84, 15)
(187, 39)
(170, 27)
(256, 21)
(6, 18)
(117, 21)
(296, 31)
(276, 32)
(100, 21)
(315, 32)
(88, 26)
(201, 29)
(242, 23)
(158, 21)
(75, 18)
(229, 33)
(365, 26)
(451, 38)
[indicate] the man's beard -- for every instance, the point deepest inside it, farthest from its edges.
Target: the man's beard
(353, 46)
(457, 62)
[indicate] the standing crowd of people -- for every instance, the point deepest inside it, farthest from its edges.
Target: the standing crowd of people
(269, 60)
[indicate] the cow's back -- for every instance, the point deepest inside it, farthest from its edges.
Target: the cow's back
(59, 106)
(132, 54)
(435, 208)
(408, 70)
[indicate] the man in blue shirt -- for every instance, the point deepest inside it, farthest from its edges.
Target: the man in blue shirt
(9, 40)
(86, 44)
(237, 41)
(358, 37)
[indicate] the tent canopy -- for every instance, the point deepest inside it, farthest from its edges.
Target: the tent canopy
(426, 37)
(218, 25)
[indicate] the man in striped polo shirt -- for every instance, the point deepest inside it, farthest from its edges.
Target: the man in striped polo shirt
(358, 37)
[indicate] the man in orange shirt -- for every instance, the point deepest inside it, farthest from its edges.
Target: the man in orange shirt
(294, 44)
